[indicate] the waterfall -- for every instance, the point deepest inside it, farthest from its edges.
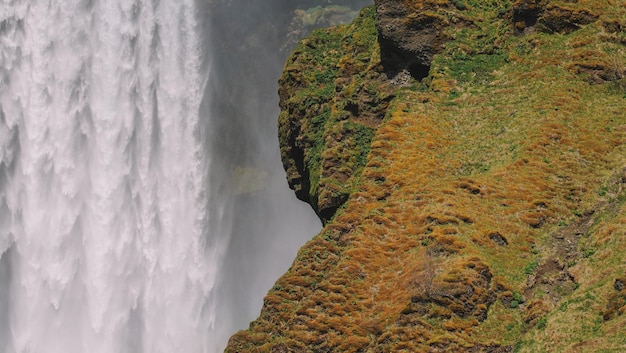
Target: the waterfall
(123, 131)
(106, 237)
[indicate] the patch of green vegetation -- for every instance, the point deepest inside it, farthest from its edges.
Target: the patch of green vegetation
(542, 323)
(459, 4)
(588, 252)
(363, 136)
(477, 68)
(530, 267)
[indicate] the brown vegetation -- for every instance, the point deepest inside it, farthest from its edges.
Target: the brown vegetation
(489, 211)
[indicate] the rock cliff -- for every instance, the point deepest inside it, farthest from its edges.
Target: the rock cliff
(468, 160)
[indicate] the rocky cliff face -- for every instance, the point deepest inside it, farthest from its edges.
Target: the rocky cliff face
(411, 33)
(468, 158)
(331, 103)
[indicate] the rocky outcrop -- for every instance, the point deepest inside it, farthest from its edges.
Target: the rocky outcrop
(328, 113)
(549, 17)
(410, 33)
(475, 207)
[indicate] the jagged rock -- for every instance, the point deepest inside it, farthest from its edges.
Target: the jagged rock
(328, 116)
(526, 13)
(410, 34)
(542, 15)
(558, 19)
(618, 285)
(498, 238)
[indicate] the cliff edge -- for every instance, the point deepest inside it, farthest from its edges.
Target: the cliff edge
(468, 160)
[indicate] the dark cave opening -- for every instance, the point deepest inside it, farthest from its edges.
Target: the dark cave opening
(419, 71)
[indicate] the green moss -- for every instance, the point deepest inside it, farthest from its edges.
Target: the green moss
(332, 139)
(530, 267)
(362, 136)
(476, 68)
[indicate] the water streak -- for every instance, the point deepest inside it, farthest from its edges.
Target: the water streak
(105, 233)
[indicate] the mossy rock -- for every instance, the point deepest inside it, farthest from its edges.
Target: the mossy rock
(479, 208)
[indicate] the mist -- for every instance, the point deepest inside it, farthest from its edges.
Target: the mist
(143, 203)
(248, 43)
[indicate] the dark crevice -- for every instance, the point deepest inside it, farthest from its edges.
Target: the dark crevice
(419, 71)
(396, 60)
(528, 17)
(352, 108)
(302, 184)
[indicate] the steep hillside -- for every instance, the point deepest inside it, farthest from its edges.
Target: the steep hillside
(469, 161)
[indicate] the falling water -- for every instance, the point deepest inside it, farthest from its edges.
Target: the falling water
(120, 124)
(105, 235)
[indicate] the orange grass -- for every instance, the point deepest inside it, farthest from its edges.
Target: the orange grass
(416, 261)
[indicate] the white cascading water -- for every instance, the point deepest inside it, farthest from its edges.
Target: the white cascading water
(104, 229)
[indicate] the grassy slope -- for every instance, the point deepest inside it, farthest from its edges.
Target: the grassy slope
(490, 212)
